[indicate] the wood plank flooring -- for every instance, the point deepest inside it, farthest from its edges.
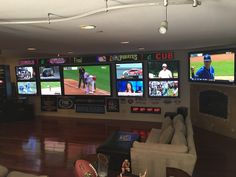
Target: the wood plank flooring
(50, 146)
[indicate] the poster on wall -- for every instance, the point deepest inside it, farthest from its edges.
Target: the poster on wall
(89, 108)
(112, 105)
(49, 103)
(65, 102)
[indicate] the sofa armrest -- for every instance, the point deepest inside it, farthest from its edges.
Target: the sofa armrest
(156, 161)
(161, 147)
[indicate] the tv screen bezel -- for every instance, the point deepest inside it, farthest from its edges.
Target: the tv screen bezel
(163, 61)
(56, 79)
(161, 80)
(130, 95)
(164, 79)
(130, 79)
(20, 94)
(40, 89)
(127, 62)
(212, 52)
(34, 70)
(88, 64)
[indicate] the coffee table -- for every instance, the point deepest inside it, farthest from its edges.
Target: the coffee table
(117, 147)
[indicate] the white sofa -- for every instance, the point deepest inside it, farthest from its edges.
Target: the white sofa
(170, 146)
(4, 173)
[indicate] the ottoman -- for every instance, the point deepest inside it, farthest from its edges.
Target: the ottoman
(3, 171)
(117, 147)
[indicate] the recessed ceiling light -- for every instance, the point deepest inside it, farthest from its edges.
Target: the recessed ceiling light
(141, 48)
(31, 49)
(124, 42)
(87, 27)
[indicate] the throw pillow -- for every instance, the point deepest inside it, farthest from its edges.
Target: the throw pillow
(3, 171)
(167, 121)
(178, 117)
(166, 135)
(153, 136)
(179, 138)
(180, 126)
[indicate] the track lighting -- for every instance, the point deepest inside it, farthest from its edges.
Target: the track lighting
(165, 3)
(164, 27)
(196, 3)
(164, 24)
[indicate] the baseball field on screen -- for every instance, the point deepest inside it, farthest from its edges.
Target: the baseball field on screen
(102, 73)
(223, 65)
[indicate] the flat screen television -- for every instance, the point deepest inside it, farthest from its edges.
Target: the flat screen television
(129, 70)
(163, 69)
(50, 88)
(26, 88)
(25, 73)
(49, 72)
(130, 88)
(212, 66)
(87, 80)
(168, 88)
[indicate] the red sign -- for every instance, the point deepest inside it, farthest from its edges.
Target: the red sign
(152, 110)
(164, 55)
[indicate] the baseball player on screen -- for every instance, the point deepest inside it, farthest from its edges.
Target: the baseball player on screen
(206, 72)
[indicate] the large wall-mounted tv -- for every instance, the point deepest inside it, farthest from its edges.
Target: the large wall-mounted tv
(26, 88)
(163, 69)
(129, 71)
(212, 66)
(130, 88)
(87, 80)
(49, 73)
(24, 73)
(50, 88)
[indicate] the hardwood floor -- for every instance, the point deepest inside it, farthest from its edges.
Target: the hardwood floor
(50, 146)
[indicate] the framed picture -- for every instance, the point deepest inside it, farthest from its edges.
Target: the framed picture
(49, 103)
(113, 105)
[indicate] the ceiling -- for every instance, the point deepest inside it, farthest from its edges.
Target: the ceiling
(25, 23)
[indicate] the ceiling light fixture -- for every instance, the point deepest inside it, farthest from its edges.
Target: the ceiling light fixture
(124, 42)
(106, 5)
(164, 24)
(196, 3)
(141, 48)
(164, 27)
(165, 3)
(87, 27)
(31, 49)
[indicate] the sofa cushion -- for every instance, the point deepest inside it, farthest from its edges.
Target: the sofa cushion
(21, 174)
(179, 138)
(154, 136)
(3, 171)
(179, 125)
(166, 135)
(161, 147)
(167, 121)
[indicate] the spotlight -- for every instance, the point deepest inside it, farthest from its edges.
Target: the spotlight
(163, 28)
(196, 3)
(165, 3)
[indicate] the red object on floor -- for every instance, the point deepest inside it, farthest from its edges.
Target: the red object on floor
(83, 169)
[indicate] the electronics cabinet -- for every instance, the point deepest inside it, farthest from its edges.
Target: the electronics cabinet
(5, 85)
